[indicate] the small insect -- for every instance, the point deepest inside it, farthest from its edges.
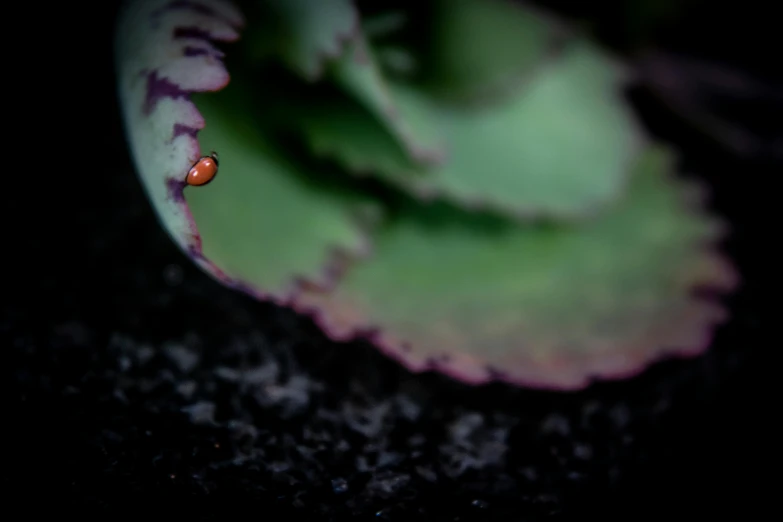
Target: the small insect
(203, 171)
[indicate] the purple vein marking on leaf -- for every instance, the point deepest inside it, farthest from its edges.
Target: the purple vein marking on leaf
(191, 52)
(159, 88)
(195, 33)
(496, 375)
(183, 130)
(338, 261)
(175, 190)
(195, 252)
(198, 35)
(195, 51)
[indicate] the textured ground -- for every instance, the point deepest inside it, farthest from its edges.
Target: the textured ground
(133, 379)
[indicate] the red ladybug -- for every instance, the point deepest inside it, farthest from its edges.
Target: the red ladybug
(203, 171)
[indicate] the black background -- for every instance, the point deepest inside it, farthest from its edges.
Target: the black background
(112, 340)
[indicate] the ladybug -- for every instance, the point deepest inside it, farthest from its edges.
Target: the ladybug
(203, 171)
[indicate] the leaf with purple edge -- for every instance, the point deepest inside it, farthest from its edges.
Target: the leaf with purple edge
(542, 306)
(164, 53)
(270, 221)
(263, 224)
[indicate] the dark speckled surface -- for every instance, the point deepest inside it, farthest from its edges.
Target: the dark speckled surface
(137, 385)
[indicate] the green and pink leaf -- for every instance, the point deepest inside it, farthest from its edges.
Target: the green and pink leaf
(291, 229)
(545, 306)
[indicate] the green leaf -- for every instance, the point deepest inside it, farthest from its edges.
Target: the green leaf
(308, 36)
(541, 306)
(331, 124)
(561, 147)
(483, 49)
(268, 221)
(339, 128)
(303, 34)
(358, 143)
(407, 117)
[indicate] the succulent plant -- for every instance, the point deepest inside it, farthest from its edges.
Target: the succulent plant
(459, 181)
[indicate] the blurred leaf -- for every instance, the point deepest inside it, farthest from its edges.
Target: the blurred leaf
(302, 33)
(483, 49)
(560, 147)
(341, 129)
(539, 306)
(408, 118)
